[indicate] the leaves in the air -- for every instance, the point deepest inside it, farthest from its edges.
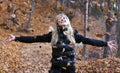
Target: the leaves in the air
(108, 33)
(99, 35)
(0, 8)
(106, 10)
(59, 6)
(88, 28)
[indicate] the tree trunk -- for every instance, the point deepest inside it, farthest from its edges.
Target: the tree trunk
(118, 37)
(108, 30)
(85, 51)
(118, 28)
(31, 13)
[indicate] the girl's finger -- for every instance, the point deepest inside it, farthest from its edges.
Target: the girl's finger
(114, 45)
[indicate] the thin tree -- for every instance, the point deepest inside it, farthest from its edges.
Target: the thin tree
(31, 13)
(118, 27)
(85, 51)
(108, 24)
(111, 26)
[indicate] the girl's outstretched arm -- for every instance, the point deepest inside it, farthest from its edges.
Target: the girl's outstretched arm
(30, 39)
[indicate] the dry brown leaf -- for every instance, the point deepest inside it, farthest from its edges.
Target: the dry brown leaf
(108, 33)
(99, 35)
(0, 8)
(105, 17)
(106, 10)
(59, 7)
(88, 29)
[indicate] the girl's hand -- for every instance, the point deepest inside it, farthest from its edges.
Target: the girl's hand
(10, 39)
(112, 45)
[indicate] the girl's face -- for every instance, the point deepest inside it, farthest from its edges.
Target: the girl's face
(63, 20)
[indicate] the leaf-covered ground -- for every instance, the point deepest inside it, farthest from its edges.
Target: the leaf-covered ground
(35, 58)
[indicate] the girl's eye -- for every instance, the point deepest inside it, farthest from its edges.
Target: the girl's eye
(63, 17)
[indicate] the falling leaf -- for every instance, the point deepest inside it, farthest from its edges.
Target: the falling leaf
(108, 33)
(109, 21)
(88, 28)
(99, 35)
(0, 8)
(59, 7)
(106, 10)
(25, 3)
(105, 17)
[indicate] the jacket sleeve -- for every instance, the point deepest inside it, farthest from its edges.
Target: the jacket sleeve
(32, 39)
(79, 38)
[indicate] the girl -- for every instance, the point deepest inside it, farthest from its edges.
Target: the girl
(63, 39)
